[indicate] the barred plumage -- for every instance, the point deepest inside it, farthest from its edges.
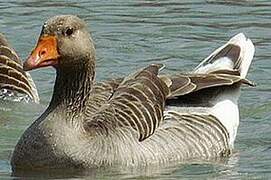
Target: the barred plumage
(12, 76)
(143, 119)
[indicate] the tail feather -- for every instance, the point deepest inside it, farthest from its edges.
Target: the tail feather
(217, 79)
(235, 55)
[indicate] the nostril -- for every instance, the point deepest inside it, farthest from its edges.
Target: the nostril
(43, 52)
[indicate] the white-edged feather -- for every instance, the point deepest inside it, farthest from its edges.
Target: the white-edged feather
(246, 55)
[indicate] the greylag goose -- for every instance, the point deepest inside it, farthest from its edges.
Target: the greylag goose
(15, 84)
(143, 119)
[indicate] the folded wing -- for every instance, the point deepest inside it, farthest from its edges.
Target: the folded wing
(138, 103)
(12, 77)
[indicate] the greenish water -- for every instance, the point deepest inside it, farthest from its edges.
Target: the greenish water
(132, 34)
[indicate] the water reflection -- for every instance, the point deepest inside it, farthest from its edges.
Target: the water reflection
(222, 168)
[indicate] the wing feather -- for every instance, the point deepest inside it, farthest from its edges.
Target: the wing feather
(199, 133)
(188, 83)
(138, 102)
(12, 76)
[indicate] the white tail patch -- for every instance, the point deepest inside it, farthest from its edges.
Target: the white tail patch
(235, 55)
(226, 104)
(221, 63)
(247, 51)
(226, 110)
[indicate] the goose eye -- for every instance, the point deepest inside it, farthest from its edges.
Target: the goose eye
(69, 31)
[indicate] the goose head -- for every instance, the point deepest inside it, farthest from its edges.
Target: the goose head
(64, 43)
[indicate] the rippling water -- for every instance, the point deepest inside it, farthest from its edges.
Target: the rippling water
(132, 34)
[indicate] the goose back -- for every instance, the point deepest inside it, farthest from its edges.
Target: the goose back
(190, 127)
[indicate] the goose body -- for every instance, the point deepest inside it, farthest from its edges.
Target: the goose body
(15, 84)
(143, 119)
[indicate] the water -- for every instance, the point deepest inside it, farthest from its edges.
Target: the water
(132, 34)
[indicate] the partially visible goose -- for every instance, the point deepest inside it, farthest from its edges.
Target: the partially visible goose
(15, 84)
(143, 119)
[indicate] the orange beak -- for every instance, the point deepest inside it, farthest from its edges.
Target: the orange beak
(45, 54)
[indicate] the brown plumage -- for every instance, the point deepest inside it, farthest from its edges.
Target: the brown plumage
(143, 119)
(13, 80)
